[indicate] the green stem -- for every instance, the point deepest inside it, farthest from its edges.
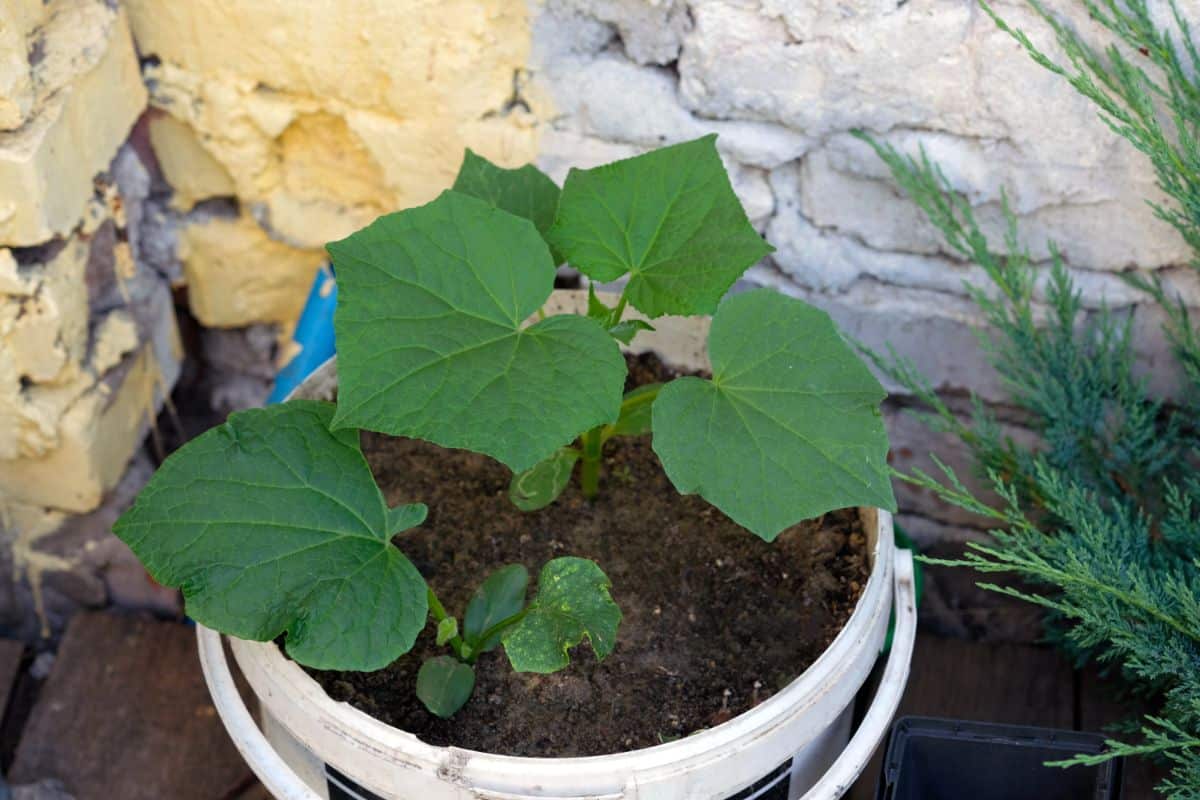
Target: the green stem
(620, 309)
(438, 612)
(478, 641)
(631, 402)
(589, 463)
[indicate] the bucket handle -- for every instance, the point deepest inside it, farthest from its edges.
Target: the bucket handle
(838, 779)
(272, 770)
(284, 784)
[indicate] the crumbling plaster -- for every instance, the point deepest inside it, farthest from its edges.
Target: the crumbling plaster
(275, 127)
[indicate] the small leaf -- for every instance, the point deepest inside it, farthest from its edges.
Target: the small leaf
(541, 484)
(636, 412)
(597, 310)
(572, 602)
(788, 428)
(447, 629)
(444, 685)
(431, 304)
(669, 218)
(271, 523)
(526, 191)
(624, 332)
(401, 518)
(499, 597)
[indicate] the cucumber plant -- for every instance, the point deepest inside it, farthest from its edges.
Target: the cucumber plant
(572, 601)
(272, 523)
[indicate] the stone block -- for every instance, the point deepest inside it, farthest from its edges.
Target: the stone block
(651, 32)
(610, 98)
(453, 59)
(44, 322)
(94, 439)
(945, 75)
(313, 170)
(238, 275)
(65, 437)
(1096, 212)
(47, 165)
(46, 46)
(190, 169)
(18, 19)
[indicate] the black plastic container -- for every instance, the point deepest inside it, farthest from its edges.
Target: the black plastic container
(947, 759)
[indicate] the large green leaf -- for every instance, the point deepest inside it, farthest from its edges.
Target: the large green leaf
(788, 428)
(269, 523)
(669, 218)
(572, 602)
(526, 191)
(430, 344)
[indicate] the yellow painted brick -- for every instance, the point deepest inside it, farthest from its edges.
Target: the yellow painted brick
(48, 359)
(402, 57)
(43, 330)
(64, 40)
(47, 166)
(11, 280)
(44, 46)
(30, 414)
(115, 336)
(190, 169)
(317, 170)
(18, 19)
(237, 275)
(96, 437)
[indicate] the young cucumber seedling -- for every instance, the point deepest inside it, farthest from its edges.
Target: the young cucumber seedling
(442, 336)
(571, 601)
(272, 523)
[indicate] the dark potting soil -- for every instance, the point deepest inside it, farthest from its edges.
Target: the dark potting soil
(715, 619)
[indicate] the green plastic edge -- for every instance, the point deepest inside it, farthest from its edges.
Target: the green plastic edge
(904, 543)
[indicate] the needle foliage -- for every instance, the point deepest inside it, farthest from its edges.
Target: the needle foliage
(1103, 514)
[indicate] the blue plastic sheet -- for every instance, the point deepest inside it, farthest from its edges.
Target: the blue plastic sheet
(313, 335)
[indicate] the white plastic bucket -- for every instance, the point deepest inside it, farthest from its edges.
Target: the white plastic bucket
(310, 746)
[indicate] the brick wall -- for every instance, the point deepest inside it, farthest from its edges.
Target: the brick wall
(195, 155)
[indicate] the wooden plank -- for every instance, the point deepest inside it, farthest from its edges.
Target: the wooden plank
(1016, 684)
(256, 791)
(11, 653)
(17, 692)
(1100, 707)
(125, 714)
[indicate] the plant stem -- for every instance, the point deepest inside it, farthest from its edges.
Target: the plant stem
(631, 401)
(589, 464)
(438, 612)
(620, 309)
(481, 639)
(592, 442)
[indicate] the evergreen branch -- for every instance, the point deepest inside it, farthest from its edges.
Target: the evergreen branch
(1102, 516)
(1125, 94)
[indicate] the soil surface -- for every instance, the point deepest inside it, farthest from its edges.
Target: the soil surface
(715, 619)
